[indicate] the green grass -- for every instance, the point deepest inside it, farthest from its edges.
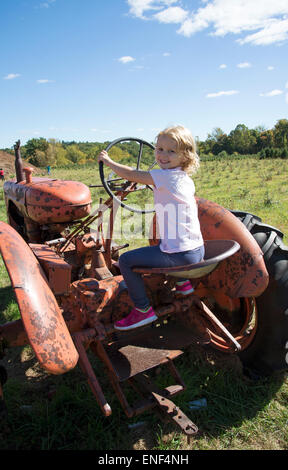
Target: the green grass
(47, 412)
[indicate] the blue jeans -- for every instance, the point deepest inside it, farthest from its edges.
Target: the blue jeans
(152, 257)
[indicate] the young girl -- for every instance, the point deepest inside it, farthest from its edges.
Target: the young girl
(181, 240)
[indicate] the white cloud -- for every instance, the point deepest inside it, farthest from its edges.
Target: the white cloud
(272, 93)
(11, 76)
(126, 59)
(257, 22)
(274, 31)
(46, 4)
(139, 7)
(45, 80)
(171, 15)
(222, 93)
(270, 67)
(244, 65)
(166, 54)
(223, 66)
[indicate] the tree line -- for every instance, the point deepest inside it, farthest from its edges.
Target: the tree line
(271, 143)
(266, 143)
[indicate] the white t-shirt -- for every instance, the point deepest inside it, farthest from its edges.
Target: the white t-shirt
(176, 210)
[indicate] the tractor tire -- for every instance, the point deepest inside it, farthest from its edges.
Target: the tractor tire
(3, 375)
(267, 353)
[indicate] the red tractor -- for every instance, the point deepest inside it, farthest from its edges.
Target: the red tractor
(70, 291)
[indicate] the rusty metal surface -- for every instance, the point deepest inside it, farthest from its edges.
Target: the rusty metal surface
(168, 410)
(175, 414)
(215, 252)
(216, 322)
(18, 162)
(41, 316)
(243, 274)
(148, 348)
(132, 360)
(82, 340)
(12, 334)
(49, 201)
(105, 300)
(15, 192)
(58, 272)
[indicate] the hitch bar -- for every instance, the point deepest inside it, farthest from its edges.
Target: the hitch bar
(168, 410)
(175, 414)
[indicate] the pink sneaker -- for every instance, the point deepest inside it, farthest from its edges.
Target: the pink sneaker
(136, 319)
(185, 288)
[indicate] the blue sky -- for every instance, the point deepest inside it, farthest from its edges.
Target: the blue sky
(92, 70)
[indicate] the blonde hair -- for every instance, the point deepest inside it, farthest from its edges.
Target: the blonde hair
(186, 147)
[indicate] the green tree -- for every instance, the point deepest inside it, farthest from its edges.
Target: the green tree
(56, 154)
(39, 158)
(75, 155)
(242, 140)
(93, 150)
(281, 133)
(36, 144)
(34, 150)
(265, 139)
(215, 142)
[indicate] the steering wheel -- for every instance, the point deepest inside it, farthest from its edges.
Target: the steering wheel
(114, 186)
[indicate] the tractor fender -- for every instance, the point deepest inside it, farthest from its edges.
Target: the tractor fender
(244, 274)
(41, 316)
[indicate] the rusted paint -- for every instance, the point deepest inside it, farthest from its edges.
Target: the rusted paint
(15, 192)
(41, 316)
(49, 201)
(175, 414)
(80, 339)
(12, 334)
(58, 272)
(104, 301)
(244, 274)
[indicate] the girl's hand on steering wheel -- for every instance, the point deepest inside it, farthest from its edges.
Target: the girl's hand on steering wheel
(104, 157)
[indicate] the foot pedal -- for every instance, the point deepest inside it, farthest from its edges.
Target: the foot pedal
(131, 360)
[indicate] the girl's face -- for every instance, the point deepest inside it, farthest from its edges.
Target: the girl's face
(166, 153)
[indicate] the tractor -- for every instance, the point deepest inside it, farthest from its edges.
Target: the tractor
(65, 275)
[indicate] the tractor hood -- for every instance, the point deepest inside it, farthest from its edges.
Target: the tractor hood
(50, 200)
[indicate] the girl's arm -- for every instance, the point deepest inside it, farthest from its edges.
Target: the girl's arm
(137, 176)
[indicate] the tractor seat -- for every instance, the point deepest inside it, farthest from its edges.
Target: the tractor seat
(215, 252)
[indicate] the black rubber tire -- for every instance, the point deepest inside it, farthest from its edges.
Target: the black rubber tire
(267, 353)
(3, 375)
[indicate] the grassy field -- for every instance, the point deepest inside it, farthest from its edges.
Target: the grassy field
(47, 413)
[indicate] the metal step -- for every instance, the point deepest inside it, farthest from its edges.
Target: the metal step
(147, 349)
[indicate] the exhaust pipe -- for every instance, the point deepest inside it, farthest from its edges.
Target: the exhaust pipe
(18, 162)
